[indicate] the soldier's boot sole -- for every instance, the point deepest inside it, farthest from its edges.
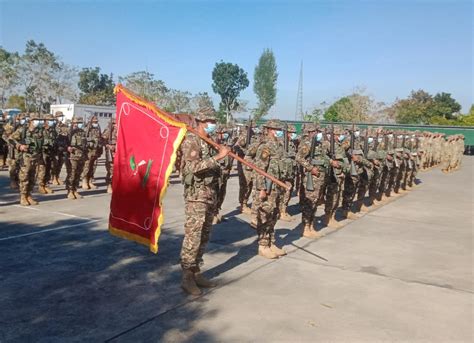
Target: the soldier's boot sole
(266, 252)
(278, 251)
(201, 281)
(32, 201)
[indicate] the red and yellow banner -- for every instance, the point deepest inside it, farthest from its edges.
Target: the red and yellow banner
(147, 141)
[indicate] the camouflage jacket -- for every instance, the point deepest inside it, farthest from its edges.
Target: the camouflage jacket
(268, 157)
(49, 145)
(78, 142)
(62, 137)
(32, 137)
(201, 172)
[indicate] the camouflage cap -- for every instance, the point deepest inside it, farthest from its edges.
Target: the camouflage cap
(48, 117)
(34, 116)
(274, 124)
(205, 113)
(291, 128)
(308, 127)
(94, 119)
(58, 114)
(77, 120)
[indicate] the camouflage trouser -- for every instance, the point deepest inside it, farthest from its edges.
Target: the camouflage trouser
(222, 190)
(197, 229)
(384, 182)
(400, 178)
(245, 185)
(13, 168)
(265, 216)
(286, 196)
(57, 161)
(89, 165)
(109, 166)
(27, 174)
(310, 199)
(3, 154)
(374, 183)
(392, 180)
(74, 174)
(333, 195)
(44, 170)
(351, 184)
(362, 187)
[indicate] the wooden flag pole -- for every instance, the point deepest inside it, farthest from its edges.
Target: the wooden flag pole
(205, 138)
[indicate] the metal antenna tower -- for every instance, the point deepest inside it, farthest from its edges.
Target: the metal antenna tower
(299, 96)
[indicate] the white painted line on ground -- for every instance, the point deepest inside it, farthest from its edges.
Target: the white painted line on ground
(48, 230)
(59, 213)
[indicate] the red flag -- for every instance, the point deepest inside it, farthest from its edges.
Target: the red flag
(147, 141)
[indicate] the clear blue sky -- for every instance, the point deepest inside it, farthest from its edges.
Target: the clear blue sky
(389, 47)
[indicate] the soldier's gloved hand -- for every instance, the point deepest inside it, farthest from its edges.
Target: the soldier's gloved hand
(262, 195)
(223, 152)
(334, 164)
(315, 171)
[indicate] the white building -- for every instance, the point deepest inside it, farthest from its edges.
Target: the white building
(103, 113)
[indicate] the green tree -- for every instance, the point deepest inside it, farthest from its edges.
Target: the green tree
(265, 78)
(38, 67)
(147, 86)
(16, 101)
(338, 110)
(228, 81)
(416, 109)
(96, 88)
(9, 76)
(445, 106)
(201, 100)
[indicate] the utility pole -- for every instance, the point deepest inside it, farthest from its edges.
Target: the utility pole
(299, 96)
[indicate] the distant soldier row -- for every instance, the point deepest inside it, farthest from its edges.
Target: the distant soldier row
(35, 148)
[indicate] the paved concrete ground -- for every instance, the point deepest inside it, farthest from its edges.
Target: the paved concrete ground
(402, 272)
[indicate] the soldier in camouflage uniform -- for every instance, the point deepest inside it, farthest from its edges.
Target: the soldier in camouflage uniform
(200, 174)
(267, 196)
(110, 140)
(400, 164)
(288, 173)
(12, 154)
(336, 175)
(49, 150)
(60, 157)
(315, 165)
(28, 141)
(3, 144)
(93, 152)
(223, 137)
(77, 149)
(353, 177)
(373, 171)
(244, 172)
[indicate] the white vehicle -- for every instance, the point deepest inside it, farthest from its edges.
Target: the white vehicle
(103, 113)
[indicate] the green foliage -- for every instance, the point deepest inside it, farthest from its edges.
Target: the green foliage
(144, 84)
(265, 78)
(445, 106)
(9, 76)
(416, 109)
(96, 88)
(336, 112)
(228, 81)
(17, 101)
